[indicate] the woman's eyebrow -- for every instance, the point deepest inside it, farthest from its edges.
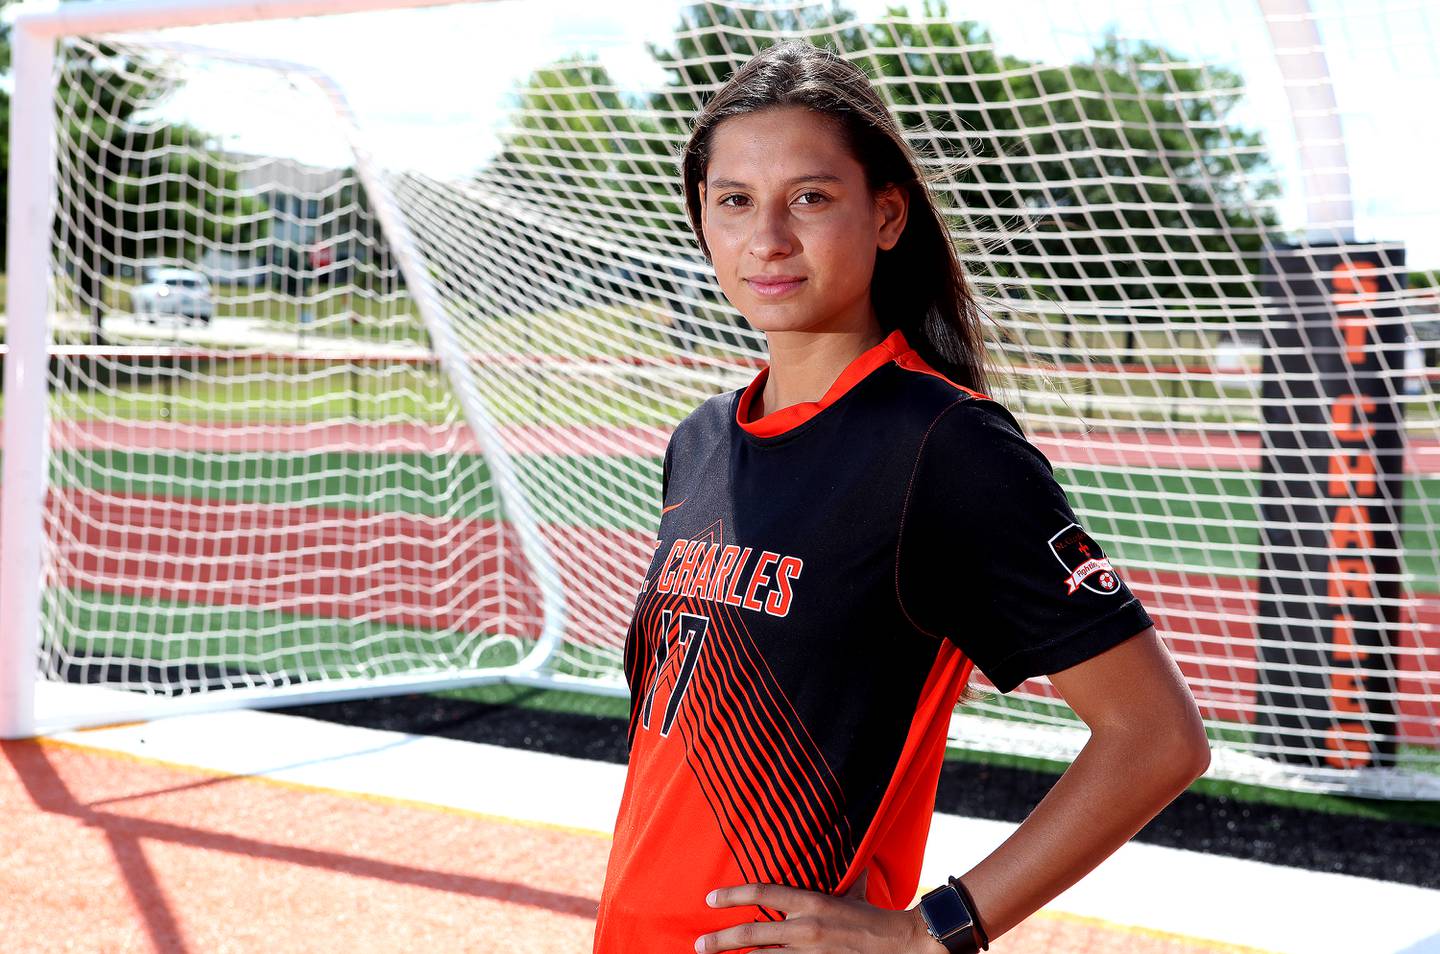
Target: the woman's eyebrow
(812, 177)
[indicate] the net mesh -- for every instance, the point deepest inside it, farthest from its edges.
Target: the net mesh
(331, 421)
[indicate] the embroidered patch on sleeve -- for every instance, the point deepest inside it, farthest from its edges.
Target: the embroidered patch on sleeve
(1085, 562)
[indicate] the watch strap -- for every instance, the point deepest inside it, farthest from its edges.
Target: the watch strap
(980, 932)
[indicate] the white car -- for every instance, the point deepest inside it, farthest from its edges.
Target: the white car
(175, 292)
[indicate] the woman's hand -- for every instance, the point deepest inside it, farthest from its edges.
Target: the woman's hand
(818, 922)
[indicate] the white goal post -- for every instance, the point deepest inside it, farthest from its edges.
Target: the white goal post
(32, 183)
(280, 428)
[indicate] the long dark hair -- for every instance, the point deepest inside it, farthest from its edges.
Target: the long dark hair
(919, 285)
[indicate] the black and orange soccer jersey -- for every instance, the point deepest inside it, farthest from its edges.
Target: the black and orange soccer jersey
(826, 576)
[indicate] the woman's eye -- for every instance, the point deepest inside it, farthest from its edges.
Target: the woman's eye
(725, 200)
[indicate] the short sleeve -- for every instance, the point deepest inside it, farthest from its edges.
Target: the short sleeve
(991, 556)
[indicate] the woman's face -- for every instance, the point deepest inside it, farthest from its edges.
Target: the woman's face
(783, 198)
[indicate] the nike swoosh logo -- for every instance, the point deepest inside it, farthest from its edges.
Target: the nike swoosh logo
(666, 510)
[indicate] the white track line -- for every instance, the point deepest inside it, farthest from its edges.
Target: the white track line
(1145, 886)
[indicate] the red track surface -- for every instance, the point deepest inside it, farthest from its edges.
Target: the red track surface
(105, 853)
(108, 853)
(384, 567)
(434, 574)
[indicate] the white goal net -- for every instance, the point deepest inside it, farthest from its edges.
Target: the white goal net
(354, 388)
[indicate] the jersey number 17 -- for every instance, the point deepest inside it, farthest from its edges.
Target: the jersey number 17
(692, 629)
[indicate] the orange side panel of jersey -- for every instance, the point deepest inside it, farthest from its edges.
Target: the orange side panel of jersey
(655, 894)
(894, 846)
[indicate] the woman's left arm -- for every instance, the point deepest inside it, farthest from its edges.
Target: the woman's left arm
(1146, 745)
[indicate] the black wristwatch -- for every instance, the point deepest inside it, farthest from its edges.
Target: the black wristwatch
(949, 916)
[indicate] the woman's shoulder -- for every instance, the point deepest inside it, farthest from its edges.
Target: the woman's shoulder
(938, 402)
(709, 420)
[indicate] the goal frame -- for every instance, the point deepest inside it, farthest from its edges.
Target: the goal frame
(39, 671)
(24, 712)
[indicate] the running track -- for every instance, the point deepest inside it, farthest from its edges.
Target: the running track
(410, 571)
(413, 571)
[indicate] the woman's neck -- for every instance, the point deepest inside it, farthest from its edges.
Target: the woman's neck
(804, 364)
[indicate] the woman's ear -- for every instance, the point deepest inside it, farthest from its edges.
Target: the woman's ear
(892, 205)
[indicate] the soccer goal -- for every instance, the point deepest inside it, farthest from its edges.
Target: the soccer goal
(318, 384)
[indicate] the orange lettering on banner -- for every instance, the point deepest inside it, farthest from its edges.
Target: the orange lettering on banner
(1353, 473)
(1345, 646)
(1345, 689)
(1352, 528)
(1343, 416)
(1350, 752)
(1349, 577)
(1352, 283)
(1345, 466)
(1356, 330)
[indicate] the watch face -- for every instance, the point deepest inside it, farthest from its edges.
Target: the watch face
(947, 911)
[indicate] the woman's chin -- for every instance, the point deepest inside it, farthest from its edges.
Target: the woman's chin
(772, 320)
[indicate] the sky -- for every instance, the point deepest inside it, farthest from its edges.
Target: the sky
(1383, 57)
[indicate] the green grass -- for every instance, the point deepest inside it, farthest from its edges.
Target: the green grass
(388, 314)
(372, 312)
(1212, 521)
(289, 391)
(293, 390)
(308, 391)
(431, 485)
(267, 642)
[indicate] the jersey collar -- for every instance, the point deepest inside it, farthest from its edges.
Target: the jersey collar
(787, 418)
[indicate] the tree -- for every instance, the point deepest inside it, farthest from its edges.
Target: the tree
(1118, 183)
(1115, 179)
(132, 186)
(581, 149)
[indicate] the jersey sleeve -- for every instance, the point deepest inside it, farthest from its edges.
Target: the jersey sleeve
(991, 556)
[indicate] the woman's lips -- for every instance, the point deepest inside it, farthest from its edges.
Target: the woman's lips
(773, 289)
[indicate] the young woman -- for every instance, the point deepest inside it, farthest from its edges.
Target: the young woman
(842, 541)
